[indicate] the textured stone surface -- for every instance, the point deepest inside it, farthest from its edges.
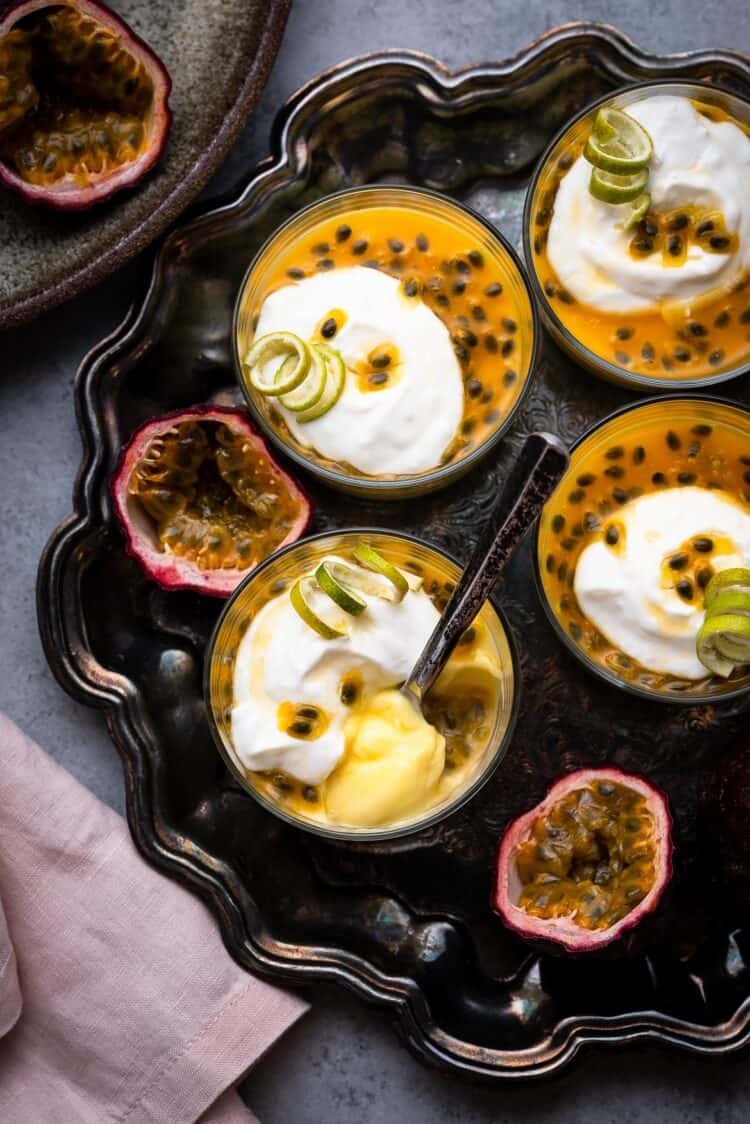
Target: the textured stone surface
(341, 1063)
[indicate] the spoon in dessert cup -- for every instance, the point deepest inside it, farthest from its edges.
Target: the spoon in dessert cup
(537, 472)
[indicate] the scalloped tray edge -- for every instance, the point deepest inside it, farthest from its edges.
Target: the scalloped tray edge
(78, 672)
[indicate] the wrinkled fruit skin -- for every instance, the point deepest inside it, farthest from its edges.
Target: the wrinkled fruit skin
(560, 933)
(162, 498)
(725, 825)
(84, 103)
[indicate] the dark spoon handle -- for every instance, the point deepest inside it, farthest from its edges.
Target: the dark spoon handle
(542, 463)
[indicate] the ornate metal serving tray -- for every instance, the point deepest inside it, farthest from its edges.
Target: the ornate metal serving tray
(405, 925)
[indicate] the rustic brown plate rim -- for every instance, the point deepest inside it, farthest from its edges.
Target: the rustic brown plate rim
(178, 197)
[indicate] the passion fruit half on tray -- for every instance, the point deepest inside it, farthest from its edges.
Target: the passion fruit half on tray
(83, 103)
(202, 501)
(588, 863)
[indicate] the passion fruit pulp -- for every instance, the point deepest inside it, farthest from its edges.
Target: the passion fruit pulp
(202, 501)
(587, 863)
(83, 103)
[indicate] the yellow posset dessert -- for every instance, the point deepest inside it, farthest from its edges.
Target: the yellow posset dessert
(640, 233)
(314, 714)
(392, 765)
(385, 334)
(644, 548)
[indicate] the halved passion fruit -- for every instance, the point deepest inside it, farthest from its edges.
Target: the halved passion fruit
(202, 501)
(586, 864)
(83, 102)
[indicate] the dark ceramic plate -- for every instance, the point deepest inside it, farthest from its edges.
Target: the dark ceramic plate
(219, 57)
(405, 925)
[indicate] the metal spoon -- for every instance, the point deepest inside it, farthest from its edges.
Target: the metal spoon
(542, 463)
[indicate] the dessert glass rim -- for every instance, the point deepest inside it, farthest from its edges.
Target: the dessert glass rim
(397, 487)
(365, 835)
(681, 697)
(590, 358)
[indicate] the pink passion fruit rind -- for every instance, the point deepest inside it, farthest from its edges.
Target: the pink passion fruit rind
(563, 931)
(85, 109)
(163, 497)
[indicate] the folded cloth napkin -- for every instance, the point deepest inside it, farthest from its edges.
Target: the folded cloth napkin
(132, 1010)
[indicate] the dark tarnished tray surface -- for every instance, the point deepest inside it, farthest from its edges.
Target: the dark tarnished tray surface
(405, 925)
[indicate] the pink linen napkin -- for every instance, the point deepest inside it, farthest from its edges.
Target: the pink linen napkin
(132, 1010)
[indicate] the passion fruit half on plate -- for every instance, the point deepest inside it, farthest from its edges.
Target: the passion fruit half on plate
(202, 501)
(588, 863)
(83, 103)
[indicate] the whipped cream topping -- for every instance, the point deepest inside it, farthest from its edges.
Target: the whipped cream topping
(696, 162)
(625, 593)
(406, 426)
(281, 659)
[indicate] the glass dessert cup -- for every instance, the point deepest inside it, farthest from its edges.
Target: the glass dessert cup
(444, 255)
(640, 450)
(698, 344)
(281, 794)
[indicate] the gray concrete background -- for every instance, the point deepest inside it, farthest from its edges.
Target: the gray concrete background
(342, 1064)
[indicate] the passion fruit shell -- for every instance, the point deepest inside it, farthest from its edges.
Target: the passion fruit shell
(202, 501)
(588, 863)
(83, 103)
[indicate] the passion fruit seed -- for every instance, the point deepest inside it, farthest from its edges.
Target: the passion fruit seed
(302, 721)
(684, 588)
(349, 691)
(703, 576)
(589, 858)
(212, 497)
(282, 783)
